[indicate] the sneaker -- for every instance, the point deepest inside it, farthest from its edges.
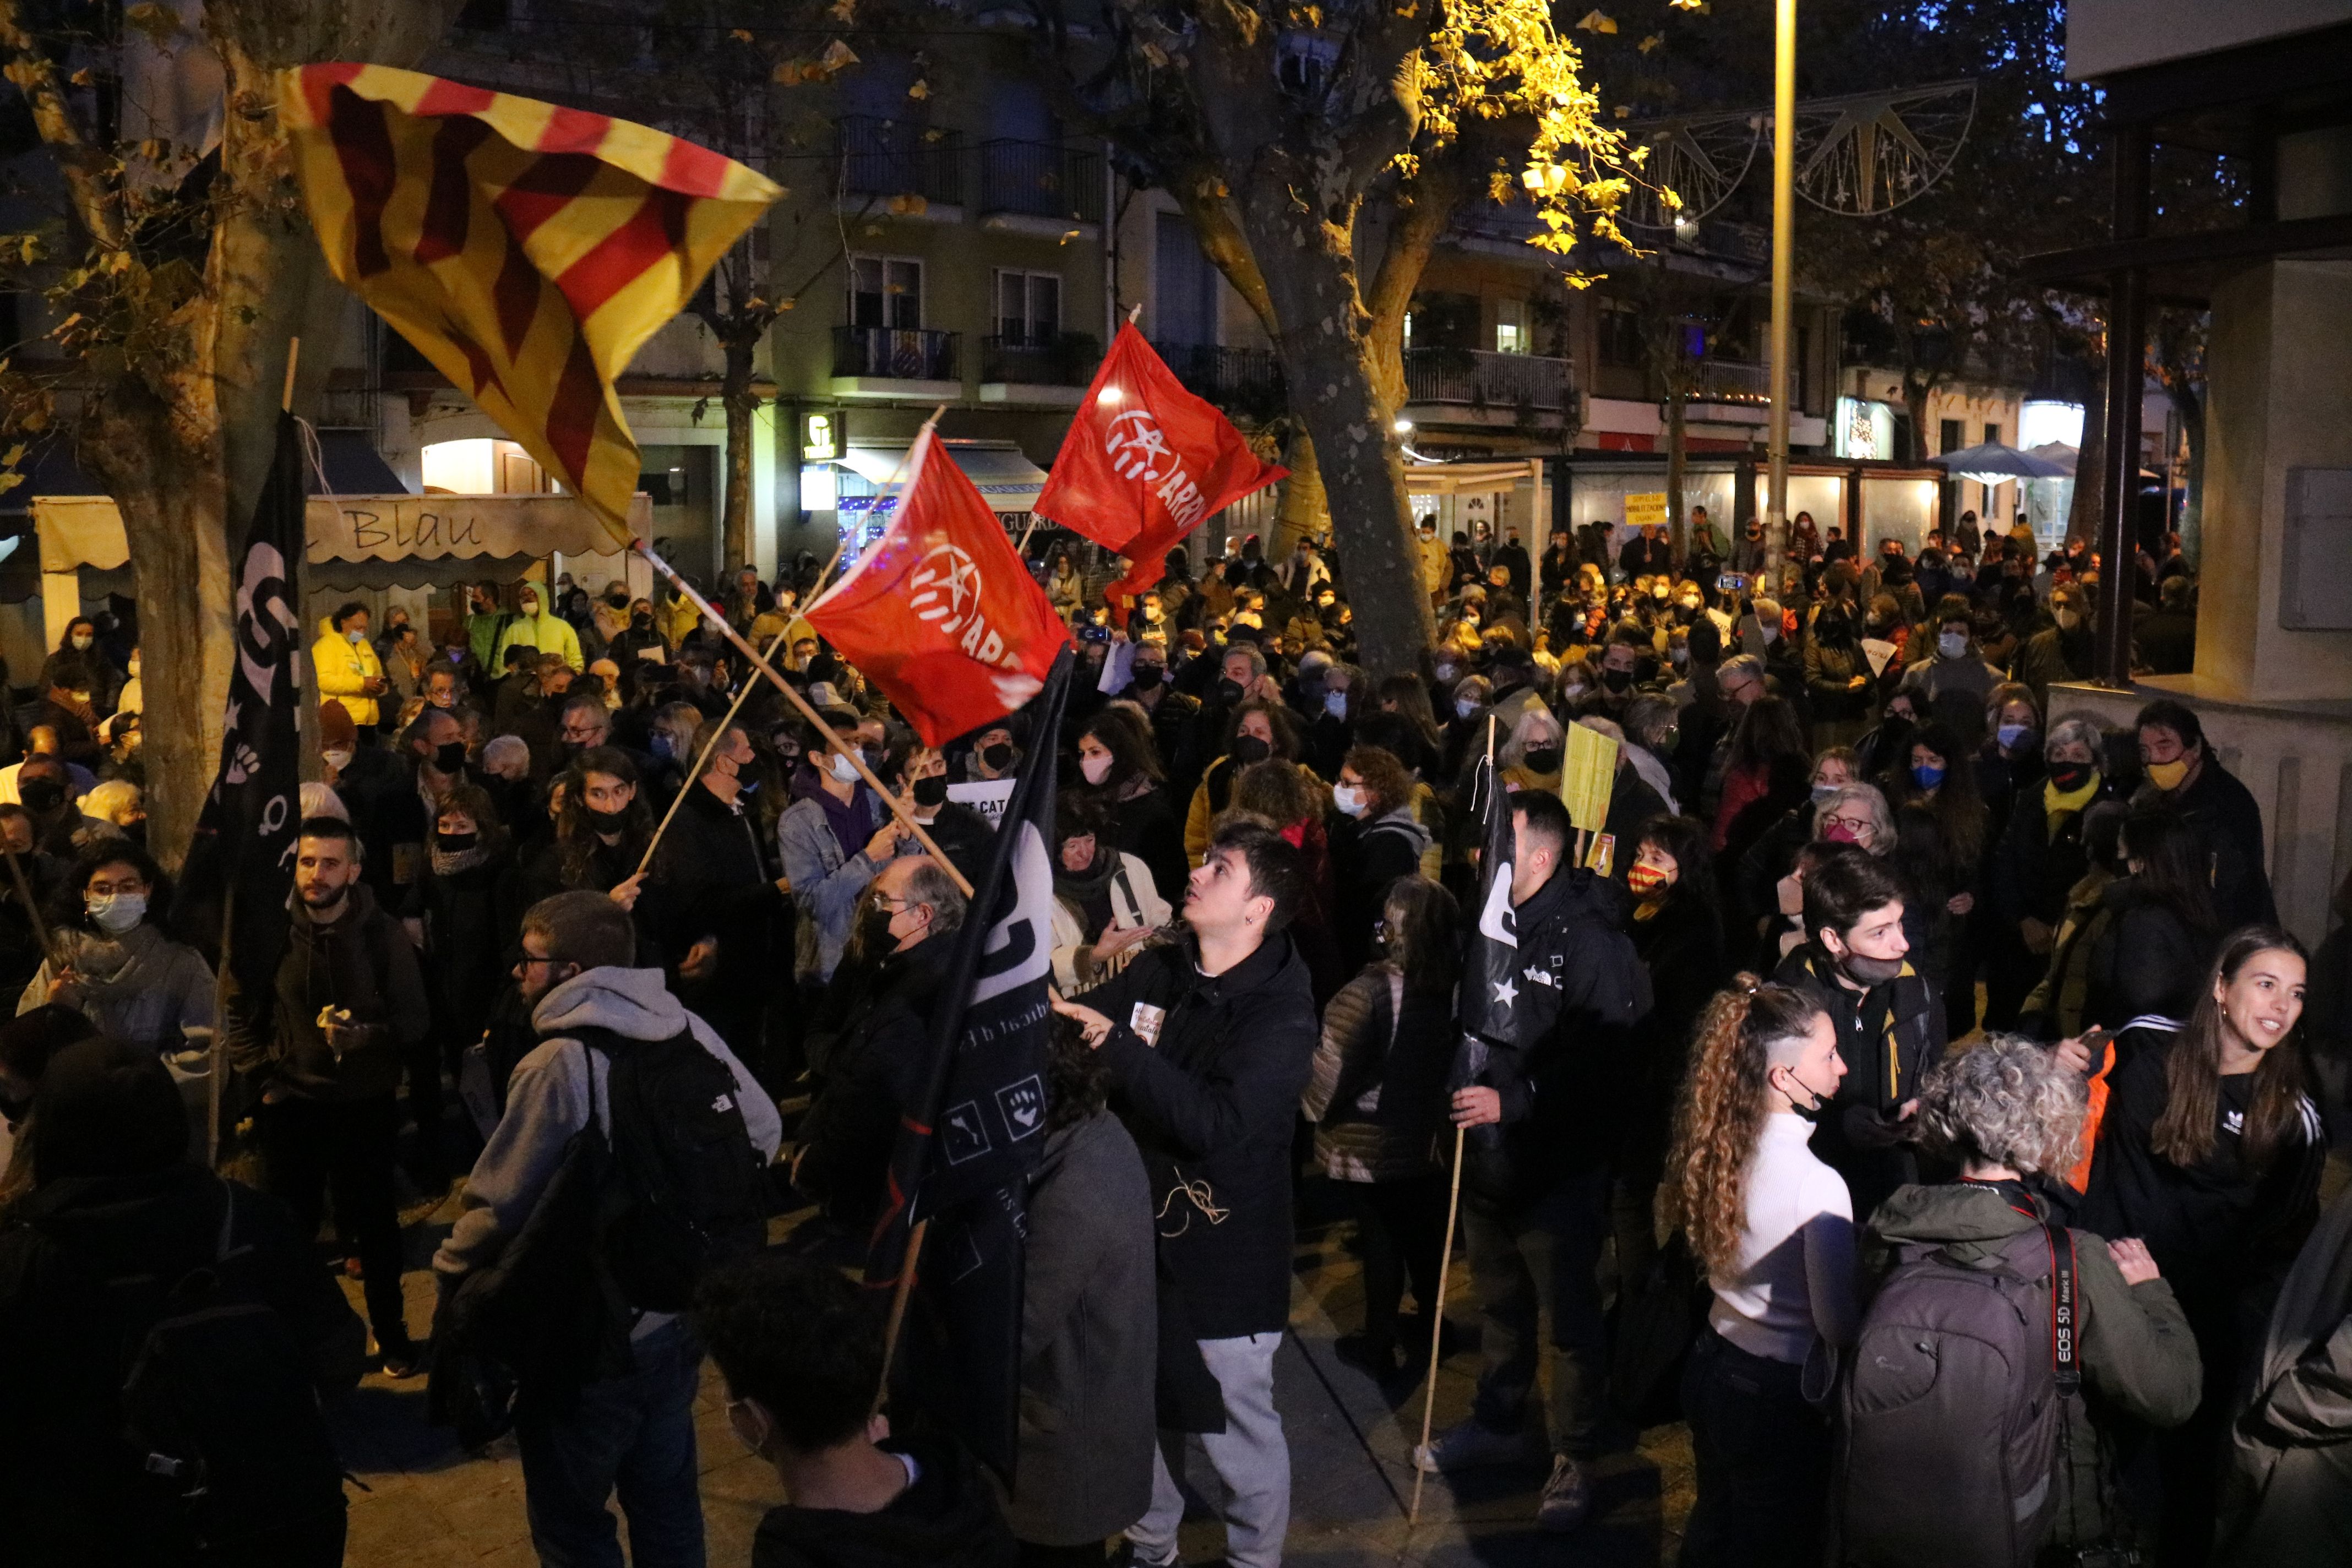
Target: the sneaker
(403, 1361)
(1567, 1497)
(1470, 1446)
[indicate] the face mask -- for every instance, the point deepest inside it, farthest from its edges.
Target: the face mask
(1544, 760)
(746, 786)
(1248, 749)
(1924, 777)
(1466, 707)
(118, 912)
(1769, 631)
(1349, 799)
(530, 609)
(1644, 879)
(1096, 769)
(41, 795)
(2013, 736)
(82, 639)
(1446, 673)
(998, 757)
(1839, 833)
(874, 938)
(2166, 776)
(1870, 970)
(641, 621)
(660, 745)
(1335, 703)
(337, 760)
(1229, 689)
(355, 636)
(2069, 619)
(843, 770)
(1821, 1102)
(1825, 793)
(1147, 677)
(449, 758)
(1952, 644)
(2070, 776)
(455, 843)
(1678, 657)
(1617, 680)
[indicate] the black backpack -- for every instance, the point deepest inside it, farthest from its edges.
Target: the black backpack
(220, 1418)
(686, 1190)
(1949, 1412)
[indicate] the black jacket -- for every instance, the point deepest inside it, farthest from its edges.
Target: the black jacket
(1207, 1073)
(1889, 1035)
(2224, 814)
(872, 1076)
(1682, 947)
(2146, 959)
(361, 962)
(64, 1490)
(947, 1518)
(2039, 857)
(714, 882)
(1580, 990)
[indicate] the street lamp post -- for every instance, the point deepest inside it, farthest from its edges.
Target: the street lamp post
(1784, 245)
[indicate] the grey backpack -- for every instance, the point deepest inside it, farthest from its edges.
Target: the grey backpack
(1948, 1415)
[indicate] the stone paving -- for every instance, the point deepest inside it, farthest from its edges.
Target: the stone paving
(428, 1505)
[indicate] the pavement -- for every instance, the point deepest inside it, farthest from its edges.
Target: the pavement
(420, 1502)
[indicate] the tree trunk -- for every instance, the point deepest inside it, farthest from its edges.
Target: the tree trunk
(1915, 404)
(1677, 465)
(1305, 509)
(2091, 463)
(741, 403)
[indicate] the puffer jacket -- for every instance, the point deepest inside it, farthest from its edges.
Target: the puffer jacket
(344, 667)
(2138, 1356)
(1378, 1090)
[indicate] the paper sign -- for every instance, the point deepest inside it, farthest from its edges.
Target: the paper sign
(986, 797)
(1604, 853)
(1118, 669)
(1879, 652)
(1646, 510)
(1587, 776)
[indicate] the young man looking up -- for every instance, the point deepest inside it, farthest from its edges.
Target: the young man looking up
(1209, 1042)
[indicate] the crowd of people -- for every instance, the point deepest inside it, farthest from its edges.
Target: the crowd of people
(1895, 1011)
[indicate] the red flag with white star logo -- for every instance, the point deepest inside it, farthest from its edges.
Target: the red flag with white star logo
(940, 613)
(1145, 463)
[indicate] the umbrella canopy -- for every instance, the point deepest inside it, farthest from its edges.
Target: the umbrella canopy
(1992, 463)
(2057, 452)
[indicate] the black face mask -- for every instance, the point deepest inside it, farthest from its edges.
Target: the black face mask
(874, 938)
(604, 821)
(40, 796)
(746, 786)
(1617, 680)
(641, 622)
(996, 758)
(1229, 690)
(1814, 1111)
(1870, 970)
(931, 790)
(449, 758)
(457, 843)
(1147, 677)
(1544, 760)
(1248, 749)
(2070, 776)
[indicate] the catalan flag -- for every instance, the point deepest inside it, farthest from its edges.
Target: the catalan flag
(527, 249)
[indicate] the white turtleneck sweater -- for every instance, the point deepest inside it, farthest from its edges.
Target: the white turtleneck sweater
(1795, 1276)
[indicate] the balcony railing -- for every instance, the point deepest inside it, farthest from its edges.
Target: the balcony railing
(1064, 359)
(1480, 379)
(1721, 377)
(893, 157)
(1247, 380)
(1040, 179)
(899, 353)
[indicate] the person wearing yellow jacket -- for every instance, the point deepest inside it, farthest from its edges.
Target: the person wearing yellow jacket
(348, 669)
(536, 626)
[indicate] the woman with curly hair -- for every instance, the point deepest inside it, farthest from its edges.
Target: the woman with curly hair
(1772, 1228)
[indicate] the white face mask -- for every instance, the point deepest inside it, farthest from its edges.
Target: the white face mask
(1952, 644)
(117, 912)
(355, 635)
(337, 760)
(844, 770)
(1096, 768)
(1335, 703)
(1350, 798)
(81, 639)
(1466, 706)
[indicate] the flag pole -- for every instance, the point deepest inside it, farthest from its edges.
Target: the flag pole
(293, 358)
(899, 1294)
(707, 747)
(1444, 1266)
(898, 808)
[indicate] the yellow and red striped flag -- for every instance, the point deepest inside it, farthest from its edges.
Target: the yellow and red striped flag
(527, 249)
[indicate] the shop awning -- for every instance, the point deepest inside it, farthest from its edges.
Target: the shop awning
(1001, 471)
(1448, 478)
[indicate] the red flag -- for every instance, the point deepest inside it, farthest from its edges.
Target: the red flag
(1145, 464)
(940, 613)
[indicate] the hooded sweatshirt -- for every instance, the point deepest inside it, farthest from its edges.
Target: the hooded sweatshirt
(545, 631)
(362, 963)
(547, 1103)
(945, 1518)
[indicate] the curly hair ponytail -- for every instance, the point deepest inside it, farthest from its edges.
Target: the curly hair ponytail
(1721, 1115)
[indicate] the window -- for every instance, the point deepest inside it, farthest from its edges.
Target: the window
(1511, 335)
(1992, 433)
(1028, 307)
(1953, 435)
(885, 291)
(1619, 328)
(1183, 284)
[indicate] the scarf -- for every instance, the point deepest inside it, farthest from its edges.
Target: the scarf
(2054, 800)
(1088, 891)
(449, 862)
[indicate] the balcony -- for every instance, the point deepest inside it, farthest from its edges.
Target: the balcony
(894, 362)
(1499, 387)
(1040, 188)
(1049, 372)
(1240, 381)
(901, 168)
(1732, 378)
(1502, 232)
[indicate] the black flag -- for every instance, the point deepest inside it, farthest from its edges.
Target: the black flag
(965, 1151)
(243, 851)
(1487, 1000)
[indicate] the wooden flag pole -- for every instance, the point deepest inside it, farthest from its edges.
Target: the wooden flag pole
(707, 747)
(899, 1294)
(898, 808)
(293, 358)
(1444, 1265)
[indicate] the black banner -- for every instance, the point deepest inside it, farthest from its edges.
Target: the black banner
(243, 851)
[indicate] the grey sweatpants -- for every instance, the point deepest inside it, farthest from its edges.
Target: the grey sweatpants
(1251, 1457)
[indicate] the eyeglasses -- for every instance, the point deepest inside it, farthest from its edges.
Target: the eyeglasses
(1854, 825)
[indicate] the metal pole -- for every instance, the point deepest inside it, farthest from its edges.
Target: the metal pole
(1784, 290)
(2126, 344)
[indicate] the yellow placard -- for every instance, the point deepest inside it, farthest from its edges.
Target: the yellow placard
(1646, 510)
(1587, 776)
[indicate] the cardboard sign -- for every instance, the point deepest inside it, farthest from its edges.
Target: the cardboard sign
(1587, 777)
(1878, 653)
(986, 797)
(1646, 510)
